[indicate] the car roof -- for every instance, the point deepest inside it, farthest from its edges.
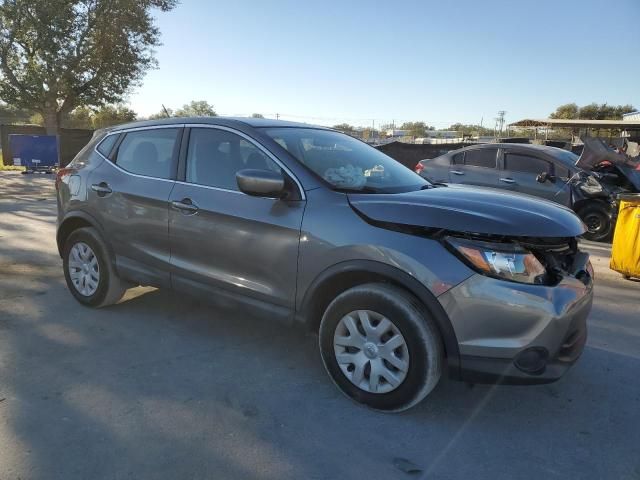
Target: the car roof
(223, 121)
(553, 151)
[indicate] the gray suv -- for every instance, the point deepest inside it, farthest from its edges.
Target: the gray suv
(403, 280)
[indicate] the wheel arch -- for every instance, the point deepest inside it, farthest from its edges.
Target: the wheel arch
(73, 221)
(340, 277)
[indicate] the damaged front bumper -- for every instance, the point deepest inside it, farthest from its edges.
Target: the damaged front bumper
(520, 333)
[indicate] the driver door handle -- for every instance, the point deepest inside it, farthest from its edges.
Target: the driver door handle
(507, 180)
(185, 205)
(456, 172)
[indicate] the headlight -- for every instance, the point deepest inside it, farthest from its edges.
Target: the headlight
(505, 261)
(591, 186)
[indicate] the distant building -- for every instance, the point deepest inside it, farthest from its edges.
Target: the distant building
(392, 132)
(629, 117)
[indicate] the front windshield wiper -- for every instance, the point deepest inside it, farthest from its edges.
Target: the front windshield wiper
(364, 189)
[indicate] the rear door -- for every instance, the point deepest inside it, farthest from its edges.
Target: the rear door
(130, 191)
(224, 241)
(521, 170)
(479, 168)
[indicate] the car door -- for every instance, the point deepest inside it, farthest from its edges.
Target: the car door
(479, 168)
(521, 170)
(129, 191)
(224, 241)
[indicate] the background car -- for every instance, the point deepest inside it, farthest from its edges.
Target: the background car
(537, 170)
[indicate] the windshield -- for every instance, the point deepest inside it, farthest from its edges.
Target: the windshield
(346, 163)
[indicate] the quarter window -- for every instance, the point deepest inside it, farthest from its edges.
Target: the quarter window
(517, 162)
(215, 156)
(458, 159)
(148, 152)
(484, 157)
(107, 144)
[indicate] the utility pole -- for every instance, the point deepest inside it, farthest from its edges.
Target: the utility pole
(277, 116)
(500, 122)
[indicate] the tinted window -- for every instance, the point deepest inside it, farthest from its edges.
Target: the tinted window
(458, 159)
(485, 157)
(346, 163)
(107, 144)
(517, 162)
(214, 156)
(148, 152)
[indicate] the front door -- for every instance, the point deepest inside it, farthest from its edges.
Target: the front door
(129, 192)
(521, 171)
(224, 241)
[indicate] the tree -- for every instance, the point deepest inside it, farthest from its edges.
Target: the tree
(345, 128)
(112, 115)
(466, 130)
(415, 129)
(58, 55)
(257, 115)
(9, 114)
(567, 111)
(593, 111)
(199, 108)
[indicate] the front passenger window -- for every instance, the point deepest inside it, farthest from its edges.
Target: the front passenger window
(215, 156)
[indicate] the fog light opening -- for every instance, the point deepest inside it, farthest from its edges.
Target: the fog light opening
(532, 361)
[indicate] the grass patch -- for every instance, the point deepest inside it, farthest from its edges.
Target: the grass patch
(10, 168)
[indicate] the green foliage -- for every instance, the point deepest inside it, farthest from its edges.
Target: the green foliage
(58, 55)
(344, 128)
(466, 130)
(10, 114)
(196, 108)
(85, 117)
(415, 129)
(593, 111)
(257, 115)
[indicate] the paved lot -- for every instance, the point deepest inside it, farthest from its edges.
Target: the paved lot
(163, 387)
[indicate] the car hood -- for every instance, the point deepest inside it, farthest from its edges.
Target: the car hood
(472, 210)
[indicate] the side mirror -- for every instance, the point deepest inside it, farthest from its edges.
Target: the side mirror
(543, 177)
(261, 183)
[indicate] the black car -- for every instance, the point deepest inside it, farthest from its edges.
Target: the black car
(542, 171)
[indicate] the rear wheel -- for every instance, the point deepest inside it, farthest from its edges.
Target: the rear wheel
(597, 218)
(381, 347)
(88, 270)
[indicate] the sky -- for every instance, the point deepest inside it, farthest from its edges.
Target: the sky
(370, 62)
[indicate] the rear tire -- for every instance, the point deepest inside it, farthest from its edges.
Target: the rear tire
(414, 366)
(597, 218)
(92, 283)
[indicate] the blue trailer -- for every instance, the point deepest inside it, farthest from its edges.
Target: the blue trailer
(35, 152)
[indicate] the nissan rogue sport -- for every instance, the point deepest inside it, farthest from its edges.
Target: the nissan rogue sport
(403, 280)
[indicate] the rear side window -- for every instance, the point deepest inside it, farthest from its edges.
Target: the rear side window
(485, 157)
(517, 162)
(107, 144)
(458, 159)
(148, 152)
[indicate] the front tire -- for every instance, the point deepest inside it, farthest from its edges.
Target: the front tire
(381, 347)
(88, 270)
(597, 218)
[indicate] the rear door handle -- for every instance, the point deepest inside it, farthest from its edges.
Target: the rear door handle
(507, 180)
(102, 189)
(456, 172)
(185, 205)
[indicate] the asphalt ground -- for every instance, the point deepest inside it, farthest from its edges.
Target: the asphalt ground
(163, 387)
